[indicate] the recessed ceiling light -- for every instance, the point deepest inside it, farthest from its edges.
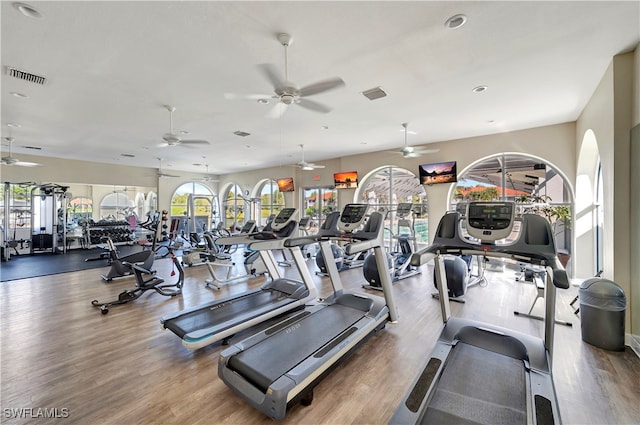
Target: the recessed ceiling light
(20, 95)
(325, 127)
(456, 21)
(263, 101)
(13, 125)
(491, 122)
(480, 89)
(197, 164)
(127, 155)
(27, 10)
(184, 132)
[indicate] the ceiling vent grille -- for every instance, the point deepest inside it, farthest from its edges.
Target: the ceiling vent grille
(27, 76)
(374, 93)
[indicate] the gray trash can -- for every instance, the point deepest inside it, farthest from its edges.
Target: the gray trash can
(602, 309)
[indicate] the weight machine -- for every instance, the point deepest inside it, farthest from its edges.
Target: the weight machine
(49, 218)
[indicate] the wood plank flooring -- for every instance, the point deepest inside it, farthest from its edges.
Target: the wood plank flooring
(59, 352)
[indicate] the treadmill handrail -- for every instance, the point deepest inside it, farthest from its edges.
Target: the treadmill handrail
(534, 245)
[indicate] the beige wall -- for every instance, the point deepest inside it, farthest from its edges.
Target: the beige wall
(609, 115)
(635, 202)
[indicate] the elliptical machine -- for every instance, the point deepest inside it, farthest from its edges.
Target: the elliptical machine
(459, 269)
(400, 260)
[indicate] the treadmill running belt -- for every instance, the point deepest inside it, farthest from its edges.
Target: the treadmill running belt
(217, 314)
(479, 386)
(271, 358)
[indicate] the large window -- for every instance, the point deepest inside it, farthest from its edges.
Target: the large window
(385, 188)
(195, 207)
(318, 202)
(531, 182)
(234, 207)
(271, 202)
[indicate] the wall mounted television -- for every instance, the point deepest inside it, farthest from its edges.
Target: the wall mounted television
(439, 172)
(285, 184)
(346, 180)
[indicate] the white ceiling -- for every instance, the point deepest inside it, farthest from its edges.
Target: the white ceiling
(112, 65)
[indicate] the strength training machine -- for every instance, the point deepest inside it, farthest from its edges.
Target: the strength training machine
(479, 373)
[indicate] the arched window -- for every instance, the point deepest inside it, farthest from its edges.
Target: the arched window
(386, 187)
(116, 206)
(194, 207)
(234, 207)
(80, 209)
(270, 201)
(599, 216)
(530, 181)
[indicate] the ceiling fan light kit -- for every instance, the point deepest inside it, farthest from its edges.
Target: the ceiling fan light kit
(172, 139)
(288, 93)
(11, 160)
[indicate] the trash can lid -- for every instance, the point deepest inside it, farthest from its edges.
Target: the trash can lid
(602, 288)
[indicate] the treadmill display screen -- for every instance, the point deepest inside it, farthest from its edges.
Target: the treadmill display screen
(490, 220)
(353, 213)
(284, 215)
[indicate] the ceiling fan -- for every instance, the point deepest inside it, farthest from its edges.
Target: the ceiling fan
(208, 178)
(172, 139)
(306, 166)
(286, 91)
(162, 175)
(409, 151)
(11, 160)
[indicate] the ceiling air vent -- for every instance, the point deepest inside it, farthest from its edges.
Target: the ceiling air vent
(374, 93)
(241, 133)
(27, 76)
(35, 148)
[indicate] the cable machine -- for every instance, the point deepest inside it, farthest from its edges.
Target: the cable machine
(49, 218)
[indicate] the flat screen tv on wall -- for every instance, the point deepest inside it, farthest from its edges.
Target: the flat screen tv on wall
(439, 172)
(285, 184)
(346, 180)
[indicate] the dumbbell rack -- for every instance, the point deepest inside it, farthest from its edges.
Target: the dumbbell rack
(118, 231)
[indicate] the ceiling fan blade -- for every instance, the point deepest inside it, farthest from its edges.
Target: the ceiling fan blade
(321, 86)
(427, 151)
(277, 111)
(194, 142)
(271, 73)
(314, 106)
(314, 166)
(27, 164)
(234, 96)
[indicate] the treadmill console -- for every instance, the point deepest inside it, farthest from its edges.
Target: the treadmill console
(282, 219)
(352, 217)
(404, 209)
(490, 221)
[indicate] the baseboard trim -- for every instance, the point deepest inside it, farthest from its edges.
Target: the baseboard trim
(633, 341)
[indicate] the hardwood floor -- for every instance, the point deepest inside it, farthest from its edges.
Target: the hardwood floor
(59, 352)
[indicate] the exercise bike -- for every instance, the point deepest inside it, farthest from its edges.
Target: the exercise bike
(153, 283)
(120, 265)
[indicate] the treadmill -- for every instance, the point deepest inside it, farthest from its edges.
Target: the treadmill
(480, 373)
(280, 366)
(221, 319)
